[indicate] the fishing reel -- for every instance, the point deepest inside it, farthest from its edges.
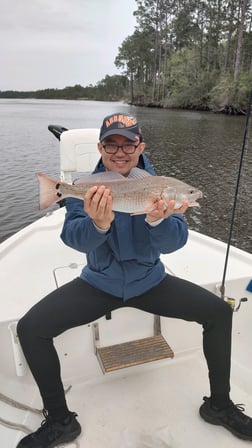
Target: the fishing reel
(232, 301)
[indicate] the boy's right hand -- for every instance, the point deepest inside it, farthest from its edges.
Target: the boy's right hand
(98, 205)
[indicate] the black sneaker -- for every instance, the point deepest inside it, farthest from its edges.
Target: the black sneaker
(52, 433)
(232, 418)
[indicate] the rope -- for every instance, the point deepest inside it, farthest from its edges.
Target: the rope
(24, 407)
(16, 426)
(18, 405)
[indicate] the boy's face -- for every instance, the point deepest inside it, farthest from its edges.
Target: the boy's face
(120, 162)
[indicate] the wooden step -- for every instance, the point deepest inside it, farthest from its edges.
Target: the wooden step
(133, 353)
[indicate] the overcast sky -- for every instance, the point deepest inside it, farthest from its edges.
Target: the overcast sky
(58, 43)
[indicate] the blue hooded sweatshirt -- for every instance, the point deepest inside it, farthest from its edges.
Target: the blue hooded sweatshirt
(125, 261)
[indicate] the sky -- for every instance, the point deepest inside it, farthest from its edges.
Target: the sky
(59, 43)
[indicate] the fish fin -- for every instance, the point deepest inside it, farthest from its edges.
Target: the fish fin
(100, 177)
(48, 191)
(138, 173)
(147, 210)
(143, 212)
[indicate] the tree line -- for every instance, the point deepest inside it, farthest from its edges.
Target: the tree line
(190, 53)
(183, 53)
(111, 88)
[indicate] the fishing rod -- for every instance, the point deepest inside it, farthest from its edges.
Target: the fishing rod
(222, 287)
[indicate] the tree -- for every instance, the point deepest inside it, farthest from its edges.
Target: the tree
(135, 58)
(243, 10)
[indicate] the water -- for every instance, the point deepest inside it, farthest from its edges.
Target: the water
(200, 148)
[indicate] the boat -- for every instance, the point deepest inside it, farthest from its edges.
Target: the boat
(134, 379)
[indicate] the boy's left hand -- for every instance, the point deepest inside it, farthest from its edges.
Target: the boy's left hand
(165, 209)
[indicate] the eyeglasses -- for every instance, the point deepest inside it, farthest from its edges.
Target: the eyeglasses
(110, 148)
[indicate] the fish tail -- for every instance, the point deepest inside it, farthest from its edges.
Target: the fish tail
(49, 193)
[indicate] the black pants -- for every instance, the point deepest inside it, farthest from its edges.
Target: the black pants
(78, 303)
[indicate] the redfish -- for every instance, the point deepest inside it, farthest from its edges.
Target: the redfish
(135, 194)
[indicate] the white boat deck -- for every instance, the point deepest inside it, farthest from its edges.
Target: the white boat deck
(134, 408)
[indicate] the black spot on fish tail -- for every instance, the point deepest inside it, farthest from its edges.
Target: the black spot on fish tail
(59, 194)
(57, 186)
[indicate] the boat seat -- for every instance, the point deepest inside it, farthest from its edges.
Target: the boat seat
(78, 154)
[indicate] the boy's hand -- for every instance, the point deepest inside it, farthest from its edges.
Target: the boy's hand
(165, 209)
(98, 205)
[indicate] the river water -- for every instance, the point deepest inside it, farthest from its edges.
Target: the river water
(200, 148)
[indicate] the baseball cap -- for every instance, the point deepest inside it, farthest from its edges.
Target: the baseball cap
(120, 124)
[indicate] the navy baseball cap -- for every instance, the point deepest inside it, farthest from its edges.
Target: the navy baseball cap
(120, 124)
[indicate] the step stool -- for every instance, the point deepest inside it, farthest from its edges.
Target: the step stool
(131, 353)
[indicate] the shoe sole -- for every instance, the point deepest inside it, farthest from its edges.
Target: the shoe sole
(215, 421)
